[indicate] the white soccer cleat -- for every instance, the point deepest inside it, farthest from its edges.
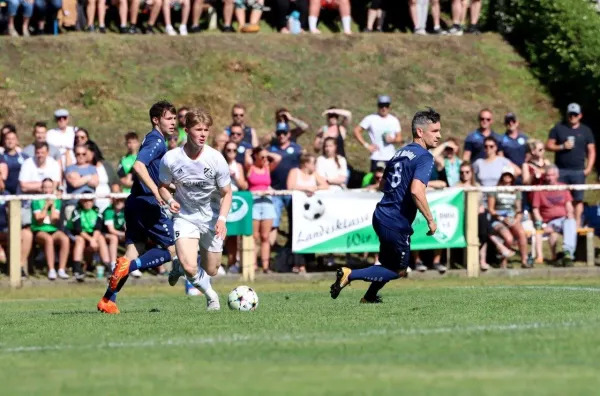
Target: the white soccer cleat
(175, 272)
(52, 274)
(136, 274)
(212, 301)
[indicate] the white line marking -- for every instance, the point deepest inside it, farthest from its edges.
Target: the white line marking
(315, 337)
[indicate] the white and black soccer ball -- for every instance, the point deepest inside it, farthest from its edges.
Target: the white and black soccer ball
(313, 208)
(243, 298)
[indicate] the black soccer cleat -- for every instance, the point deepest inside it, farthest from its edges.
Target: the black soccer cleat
(375, 300)
(341, 281)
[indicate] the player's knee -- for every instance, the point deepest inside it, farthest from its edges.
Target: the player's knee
(212, 271)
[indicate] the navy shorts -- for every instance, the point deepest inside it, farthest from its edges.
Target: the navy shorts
(569, 176)
(394, 247)
(145, 220)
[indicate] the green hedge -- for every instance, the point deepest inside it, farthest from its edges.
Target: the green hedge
(561, 40)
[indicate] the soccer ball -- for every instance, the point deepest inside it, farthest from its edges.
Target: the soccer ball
(243, 298)
(313, 208)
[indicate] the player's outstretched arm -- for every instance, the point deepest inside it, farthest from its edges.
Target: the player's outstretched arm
(419, 195)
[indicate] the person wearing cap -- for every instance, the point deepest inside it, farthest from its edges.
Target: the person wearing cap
(474, 146)
(283, 116)
(514, 142)
(505, 209)
(573, 142)
(63, 136)
(336, 118)
(384, 131)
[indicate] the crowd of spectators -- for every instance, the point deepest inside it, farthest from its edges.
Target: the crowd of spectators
(66, 159)
(289, 16)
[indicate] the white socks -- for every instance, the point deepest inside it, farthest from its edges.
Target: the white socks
(312, 23)
(201, 281)
(346, 24)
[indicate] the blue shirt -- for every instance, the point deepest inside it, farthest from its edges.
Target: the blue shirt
(14, 163)
(290, 159)
(474, 144)
(515, 149)
(151, 152)
(83, 170)
(397, 209)
(240, 157)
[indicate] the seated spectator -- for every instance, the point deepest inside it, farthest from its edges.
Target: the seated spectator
(446, 157)
(488, 170)
(284, 8)
(44, 224)
(237, 136)
(384, 131)
(100, 5)
(315, 9)
(514, 142)
(506, 212)
(240, 14)
(419, 11)
(331, 166)
(238, 114)
(334, 129)
(553, 213)
(86, 224)
(107, 177)
(152, 7)
(81, 176)
(126, 163)
(114, 228)
(474, 142)
(185, 6)
(134, 12)
(13, 161)
(13, 8)
(38, 168)
(40, 131)
(467, 179)
(372, 179)
(263, 211)
(283, 118)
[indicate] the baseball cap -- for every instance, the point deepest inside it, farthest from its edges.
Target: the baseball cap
(510, 117)
(282, 126)
(508, 170)
(61, 113)
(380, 166)
(86, 190)
(574, 108)
(384, 99)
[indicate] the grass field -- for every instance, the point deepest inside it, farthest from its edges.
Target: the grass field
(451, 337)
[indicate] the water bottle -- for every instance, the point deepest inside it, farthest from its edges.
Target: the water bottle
(100, 271)
(294, 22)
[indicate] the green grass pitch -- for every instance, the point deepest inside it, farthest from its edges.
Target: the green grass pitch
(450, 337)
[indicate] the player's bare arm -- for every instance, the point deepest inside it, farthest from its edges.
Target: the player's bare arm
(419, 195)
(165, 193)
(226, 197)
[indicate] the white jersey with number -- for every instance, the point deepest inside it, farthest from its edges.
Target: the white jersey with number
(198, 183)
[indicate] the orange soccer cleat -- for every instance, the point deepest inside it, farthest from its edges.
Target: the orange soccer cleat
(107, 306)
(121, 271)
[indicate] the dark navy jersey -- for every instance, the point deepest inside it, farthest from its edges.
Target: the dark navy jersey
(397, 209)
(151, 152)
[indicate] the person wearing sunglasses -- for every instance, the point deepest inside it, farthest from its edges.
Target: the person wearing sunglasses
(534, 170)
(63, 136)
(237, 135)
(514, 142)
(384, 131)
(573, 143)
(82, 175)
(336, 120)
(238, 117)
(474, 149)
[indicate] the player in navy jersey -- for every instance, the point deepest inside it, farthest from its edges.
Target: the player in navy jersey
(404, 183)
(144, 215)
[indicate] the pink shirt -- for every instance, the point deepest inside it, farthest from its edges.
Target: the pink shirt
(258, 181)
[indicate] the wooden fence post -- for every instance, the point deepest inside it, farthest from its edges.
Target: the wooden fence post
(472, 231)
(14, 243)
(248, 258)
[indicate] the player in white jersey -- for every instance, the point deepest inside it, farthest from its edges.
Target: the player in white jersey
(202, 201)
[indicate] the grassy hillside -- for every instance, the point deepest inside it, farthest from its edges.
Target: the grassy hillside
(108, 82)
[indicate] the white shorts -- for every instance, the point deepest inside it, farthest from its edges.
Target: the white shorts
(207, 237)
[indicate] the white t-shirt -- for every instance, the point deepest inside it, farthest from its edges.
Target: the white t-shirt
(198, 183)
(30, 172)
(61, 140)
(327, 168)
(377, 126)
(103, 188)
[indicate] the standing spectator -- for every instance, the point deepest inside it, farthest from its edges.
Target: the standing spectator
(315, 10)
(263, 210)
(38, 168)
(40, 131)
(505, 208)
(384, 131)
(6, 129)
(237, 136)
(283, 118)
(236, 169)
(419, 13)
(375, 14)
(488, 170)
(13, 7)
(114, 228)
(534, 169)
(153, 7)
(63, 136)
(334, 129)
(331, 166)
(553, 213)
(573, 142)
(13, 160)
(81, 176)
(475, 12)
(240, 14)
(86, 225)
(238, 114)
(474, 149)
(514, 142)
(185, 6)
(107, 177)
(181, 134)
(290, 153)
(100, 5)
(44, 224)
(446, 157)
(126, 163)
